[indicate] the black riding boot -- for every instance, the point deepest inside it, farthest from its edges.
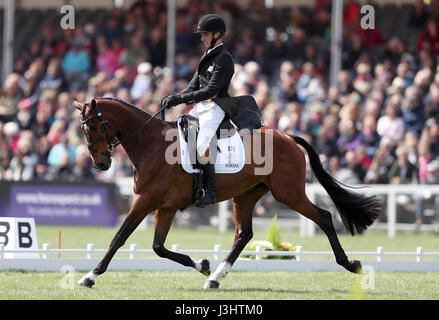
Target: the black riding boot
(198, 188)
(209, 186)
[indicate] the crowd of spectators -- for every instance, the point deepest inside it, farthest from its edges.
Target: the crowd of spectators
(379, 124)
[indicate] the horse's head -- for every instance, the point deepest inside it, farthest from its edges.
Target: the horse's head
(95, 127)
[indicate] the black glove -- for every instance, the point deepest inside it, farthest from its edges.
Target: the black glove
(172, 100)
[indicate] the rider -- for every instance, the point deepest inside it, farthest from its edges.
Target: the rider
(211, 80)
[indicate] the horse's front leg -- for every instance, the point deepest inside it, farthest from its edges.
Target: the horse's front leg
(243, 213)
(137, 213)
(163, 221)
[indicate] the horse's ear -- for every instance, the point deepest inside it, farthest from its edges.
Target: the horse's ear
(93, 103)
(77, 105)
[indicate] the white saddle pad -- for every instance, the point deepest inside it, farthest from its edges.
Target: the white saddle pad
(230, 158)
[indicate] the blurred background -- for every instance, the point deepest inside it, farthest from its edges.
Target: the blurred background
(366, 98)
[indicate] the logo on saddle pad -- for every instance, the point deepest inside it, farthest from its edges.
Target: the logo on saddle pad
(230, 156)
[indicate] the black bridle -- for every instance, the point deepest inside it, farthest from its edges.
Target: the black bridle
(103, 124)
(112, 143)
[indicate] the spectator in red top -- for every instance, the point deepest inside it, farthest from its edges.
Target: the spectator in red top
(429, 38)
(372, 37)
(351, 13)
(322, 5)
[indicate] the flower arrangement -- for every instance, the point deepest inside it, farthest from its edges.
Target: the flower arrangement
(273, 242)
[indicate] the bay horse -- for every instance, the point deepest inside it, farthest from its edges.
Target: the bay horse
(164, 188)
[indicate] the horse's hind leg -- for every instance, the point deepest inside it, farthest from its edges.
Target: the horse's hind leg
(324, 220)
(243, 211)
(163, 221)
(326, 224)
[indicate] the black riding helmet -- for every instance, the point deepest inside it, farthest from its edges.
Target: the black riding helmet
(212, 23)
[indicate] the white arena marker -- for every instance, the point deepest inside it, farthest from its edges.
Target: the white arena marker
(18, 234)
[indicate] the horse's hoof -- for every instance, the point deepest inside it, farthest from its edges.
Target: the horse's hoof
(355, 266)
(205, 267)
(211, 284)
(86, 282)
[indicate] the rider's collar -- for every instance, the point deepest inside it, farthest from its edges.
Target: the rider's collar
(208, 50)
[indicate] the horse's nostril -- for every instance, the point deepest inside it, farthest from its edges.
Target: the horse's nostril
(103, 166)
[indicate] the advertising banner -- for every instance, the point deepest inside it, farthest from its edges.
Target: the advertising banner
(67, 204)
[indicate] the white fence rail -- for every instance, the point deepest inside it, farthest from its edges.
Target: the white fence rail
(50, 261)
(307, 227)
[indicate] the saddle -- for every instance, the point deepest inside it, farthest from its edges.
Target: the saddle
(190, 128)
(188, 131)
(228, 152)
(242, 110)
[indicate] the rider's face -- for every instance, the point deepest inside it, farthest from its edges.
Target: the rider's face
(206, 38)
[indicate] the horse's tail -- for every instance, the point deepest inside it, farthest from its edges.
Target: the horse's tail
(357, 212)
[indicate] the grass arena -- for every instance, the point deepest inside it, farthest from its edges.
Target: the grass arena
(239, 285)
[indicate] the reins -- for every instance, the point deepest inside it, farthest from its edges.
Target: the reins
(111, 145)
(118, 142)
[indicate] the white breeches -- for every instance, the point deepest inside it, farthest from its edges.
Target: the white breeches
(210, 116)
